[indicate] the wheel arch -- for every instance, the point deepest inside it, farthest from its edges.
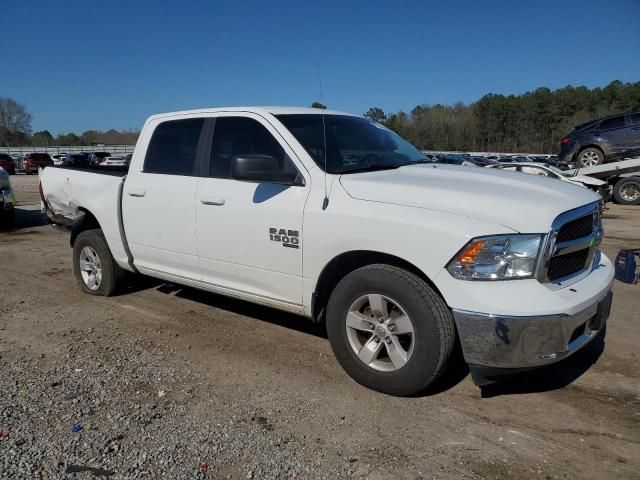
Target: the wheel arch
(347, 262)
(85, 220)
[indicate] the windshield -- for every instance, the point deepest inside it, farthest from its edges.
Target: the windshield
(352, 143)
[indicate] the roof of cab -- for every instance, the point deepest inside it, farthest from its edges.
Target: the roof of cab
(258, 110)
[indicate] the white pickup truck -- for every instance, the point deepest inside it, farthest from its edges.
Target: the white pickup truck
(336, 218)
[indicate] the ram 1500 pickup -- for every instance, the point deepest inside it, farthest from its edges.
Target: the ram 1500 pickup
(336, 218)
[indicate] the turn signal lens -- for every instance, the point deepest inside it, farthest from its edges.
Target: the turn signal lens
(471, 251)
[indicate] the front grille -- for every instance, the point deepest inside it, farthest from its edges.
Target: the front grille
(579, 228)
(567, 264)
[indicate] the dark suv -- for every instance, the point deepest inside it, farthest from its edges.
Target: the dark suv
(603, 140)
(6, 162)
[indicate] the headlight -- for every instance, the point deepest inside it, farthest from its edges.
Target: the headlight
(500, 257)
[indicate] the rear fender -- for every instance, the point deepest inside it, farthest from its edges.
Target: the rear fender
(84, 220)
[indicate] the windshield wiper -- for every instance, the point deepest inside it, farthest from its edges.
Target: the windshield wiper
(420, 161)
(372, 168)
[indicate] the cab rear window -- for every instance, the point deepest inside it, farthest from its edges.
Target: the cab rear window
(173, 147)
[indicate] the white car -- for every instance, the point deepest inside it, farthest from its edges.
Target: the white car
(336, 218)
(599, 186)
(114, 162)
(58, 159)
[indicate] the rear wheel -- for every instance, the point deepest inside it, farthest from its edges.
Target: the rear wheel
(627, 191)
(389, 330)
(93, 265)
(590, 157)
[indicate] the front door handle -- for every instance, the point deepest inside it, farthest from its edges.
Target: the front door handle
(136, 192)
(209, 200)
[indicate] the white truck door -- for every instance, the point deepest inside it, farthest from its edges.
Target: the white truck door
(159, 200)
(249, 235)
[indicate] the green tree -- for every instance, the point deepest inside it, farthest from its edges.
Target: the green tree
(68, 139)
(376, 114)
(318, 105)
(89, 136)
(42, 138)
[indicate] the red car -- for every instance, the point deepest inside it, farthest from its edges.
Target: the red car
(31, 162)
(6, 162)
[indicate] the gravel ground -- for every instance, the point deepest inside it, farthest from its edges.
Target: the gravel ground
(115, 406)
(165, 382)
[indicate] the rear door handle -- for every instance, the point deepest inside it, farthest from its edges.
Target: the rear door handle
(136, 192)
(209, 200)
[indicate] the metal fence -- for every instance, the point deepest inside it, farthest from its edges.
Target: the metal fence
(120, 149)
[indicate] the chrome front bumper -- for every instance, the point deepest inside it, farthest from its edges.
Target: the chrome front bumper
(524, 342)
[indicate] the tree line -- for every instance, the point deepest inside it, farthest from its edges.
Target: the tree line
(532, 122)
(16, 131)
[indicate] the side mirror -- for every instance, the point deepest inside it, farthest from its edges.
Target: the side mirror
(261, 169)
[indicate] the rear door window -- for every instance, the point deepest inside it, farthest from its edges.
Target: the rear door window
(614, 122)
(173, 147)
(635, 118)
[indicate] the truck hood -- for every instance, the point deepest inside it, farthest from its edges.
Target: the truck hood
(521, 202)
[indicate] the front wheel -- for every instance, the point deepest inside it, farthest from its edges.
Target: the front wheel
(389, 330)
(590, 157)
(93, 265)
(627, 191)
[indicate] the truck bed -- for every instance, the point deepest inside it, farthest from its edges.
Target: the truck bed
(113, 171)
(69, 194)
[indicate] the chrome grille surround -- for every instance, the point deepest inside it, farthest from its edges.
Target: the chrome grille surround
(552, 248)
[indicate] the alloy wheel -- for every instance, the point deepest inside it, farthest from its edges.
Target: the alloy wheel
(90, 268)
(380, 332)
(589, 159)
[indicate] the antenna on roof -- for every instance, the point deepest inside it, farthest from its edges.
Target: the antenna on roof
(325, 202)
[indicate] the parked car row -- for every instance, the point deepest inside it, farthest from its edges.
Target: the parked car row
(29, 163)
(488, 160)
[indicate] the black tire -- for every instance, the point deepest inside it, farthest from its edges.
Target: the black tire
(595, 153)
(626, 191)
(112, 274)
(432, 321)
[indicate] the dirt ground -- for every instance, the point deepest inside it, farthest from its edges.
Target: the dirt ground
(577, 419)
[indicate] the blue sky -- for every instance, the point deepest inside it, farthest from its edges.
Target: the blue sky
(81, 65)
